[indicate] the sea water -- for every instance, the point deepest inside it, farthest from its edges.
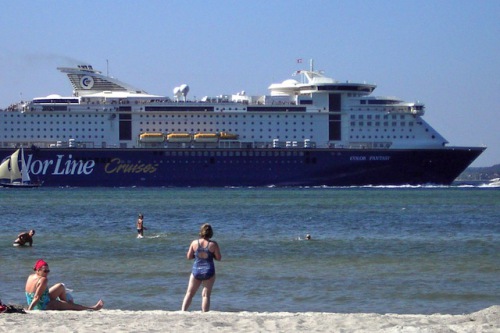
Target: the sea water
(398, 250)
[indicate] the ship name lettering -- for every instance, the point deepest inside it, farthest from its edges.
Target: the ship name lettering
(61, 167)
(117, 166)
(380, 158)
(37, 167)
(71, 167)
(358, 158)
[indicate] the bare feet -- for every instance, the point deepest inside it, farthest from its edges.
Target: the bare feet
(99, 305)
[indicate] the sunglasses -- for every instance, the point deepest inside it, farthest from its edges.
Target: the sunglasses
(45, 270)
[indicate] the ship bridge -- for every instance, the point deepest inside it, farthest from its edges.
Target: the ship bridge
(314, 82)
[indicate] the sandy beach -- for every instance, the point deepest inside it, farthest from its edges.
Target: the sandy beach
(487, 320)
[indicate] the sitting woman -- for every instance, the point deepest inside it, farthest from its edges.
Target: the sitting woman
(40, 297)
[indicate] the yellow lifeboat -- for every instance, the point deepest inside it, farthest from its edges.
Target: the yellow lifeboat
(179, 137)
(152, 137)
(228, 136)
(206, 137)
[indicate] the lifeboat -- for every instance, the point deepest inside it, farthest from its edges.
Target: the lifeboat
(179, 137)
(228, 136)
(206, 137)
(152, 137)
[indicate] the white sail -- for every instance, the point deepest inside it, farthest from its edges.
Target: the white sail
(4, 169)
(15, 173)
(9, 170)
(24, 169)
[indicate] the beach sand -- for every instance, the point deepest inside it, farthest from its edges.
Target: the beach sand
(487, 320)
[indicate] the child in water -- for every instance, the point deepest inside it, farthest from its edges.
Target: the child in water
(140, 226)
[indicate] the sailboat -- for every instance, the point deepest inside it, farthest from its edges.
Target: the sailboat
(12, 176)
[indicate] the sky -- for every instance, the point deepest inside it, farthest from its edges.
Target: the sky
(443, 53)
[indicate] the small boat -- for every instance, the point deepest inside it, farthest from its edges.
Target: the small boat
(494, 182)
(12, 176)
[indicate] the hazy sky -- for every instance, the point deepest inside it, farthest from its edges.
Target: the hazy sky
(443, 53)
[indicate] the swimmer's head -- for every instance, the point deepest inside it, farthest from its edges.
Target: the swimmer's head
(308, 237)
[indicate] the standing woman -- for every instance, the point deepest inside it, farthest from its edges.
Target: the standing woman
(40, 297)
(203, 251)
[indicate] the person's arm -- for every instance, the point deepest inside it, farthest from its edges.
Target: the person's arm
(190, 252)
(217, 254)
(38, 293)
(31, 241)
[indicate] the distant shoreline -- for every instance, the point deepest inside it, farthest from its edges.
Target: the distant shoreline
(479, 175)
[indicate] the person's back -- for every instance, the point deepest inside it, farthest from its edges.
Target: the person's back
(24, 238)
(203, 267)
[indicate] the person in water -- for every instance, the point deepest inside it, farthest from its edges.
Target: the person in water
(40, 297)
(140, 226)
(25, 237)
(203, 251)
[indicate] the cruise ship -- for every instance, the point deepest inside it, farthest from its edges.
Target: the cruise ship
(309, 130)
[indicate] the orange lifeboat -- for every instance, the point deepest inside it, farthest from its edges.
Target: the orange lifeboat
(228, 136)
(152, 137)
(179, 137)
(206, 137)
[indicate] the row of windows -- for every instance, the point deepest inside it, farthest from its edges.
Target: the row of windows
(221, 116)
(393, 109)
(385, 130)
(55, 137)
(385, 123)
(377, 116)
(217, 123)
(55, 130)
(382, 137)
(17, 115)
(54, 122)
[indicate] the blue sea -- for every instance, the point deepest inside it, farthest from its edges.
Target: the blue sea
(385, 250)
